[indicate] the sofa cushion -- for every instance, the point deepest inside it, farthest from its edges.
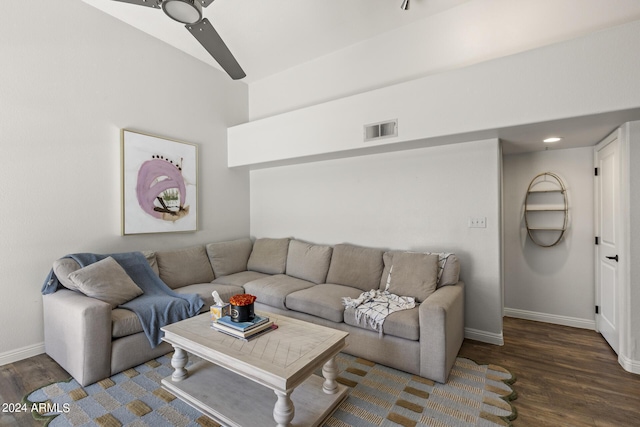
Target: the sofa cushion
(273, 290)
(448, 268)
(107, 281)
(229, 257)
(413, 274)
(205, 290)
(152, 260)
(308, 262)
(240, 279)
(324, 300)
(269, 256)
(355, 266)
(183, 267)
(124, 323)
(402, 324)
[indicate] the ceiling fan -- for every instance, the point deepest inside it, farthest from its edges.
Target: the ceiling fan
(189, 12)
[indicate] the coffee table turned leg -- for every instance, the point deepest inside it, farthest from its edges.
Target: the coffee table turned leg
(179, 361)
(284, 411)
(330, 373)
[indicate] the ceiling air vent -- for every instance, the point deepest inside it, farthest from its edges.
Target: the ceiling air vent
(381, 130)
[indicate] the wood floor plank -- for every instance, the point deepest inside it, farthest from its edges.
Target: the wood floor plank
(565, 377)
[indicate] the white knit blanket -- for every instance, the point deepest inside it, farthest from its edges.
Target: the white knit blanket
(373, 307)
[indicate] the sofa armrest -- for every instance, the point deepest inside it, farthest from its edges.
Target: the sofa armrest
(77, 334)
(441, 331)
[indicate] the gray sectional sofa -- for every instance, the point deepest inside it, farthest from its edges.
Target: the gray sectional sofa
(92, 340)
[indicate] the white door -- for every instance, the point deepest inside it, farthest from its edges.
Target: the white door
(608, 227)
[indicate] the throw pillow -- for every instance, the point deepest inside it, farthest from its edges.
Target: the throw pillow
(413, 275)
(107, 281)
(269, 256)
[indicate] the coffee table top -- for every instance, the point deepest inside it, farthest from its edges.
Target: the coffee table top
(280, 359)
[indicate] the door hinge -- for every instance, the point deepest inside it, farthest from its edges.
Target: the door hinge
(597, 309)
(596, 171)
(597, 241)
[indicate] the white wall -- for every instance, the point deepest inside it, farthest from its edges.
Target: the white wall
(553, 284)
(476, 31)
(416, 200)
(71, 77)
(593, 74)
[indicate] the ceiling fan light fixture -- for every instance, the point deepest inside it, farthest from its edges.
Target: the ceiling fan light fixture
(405, 5)
(185, 11)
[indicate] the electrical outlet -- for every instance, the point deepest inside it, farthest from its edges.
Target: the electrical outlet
(478, 222)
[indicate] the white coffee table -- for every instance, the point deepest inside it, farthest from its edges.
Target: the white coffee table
(244, 384)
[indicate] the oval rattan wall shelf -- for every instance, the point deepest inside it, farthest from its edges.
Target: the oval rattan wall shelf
(556, 207)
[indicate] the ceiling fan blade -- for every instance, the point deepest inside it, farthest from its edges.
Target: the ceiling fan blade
(149, 3)
(209, 38)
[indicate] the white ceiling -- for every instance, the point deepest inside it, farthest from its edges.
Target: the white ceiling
(269, 36)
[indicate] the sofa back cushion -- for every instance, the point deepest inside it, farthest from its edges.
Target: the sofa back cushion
(308, 262)
(413, 274)
(229, 257)
(182, 267)
(448, 268)
(355, 266)
(269, 256)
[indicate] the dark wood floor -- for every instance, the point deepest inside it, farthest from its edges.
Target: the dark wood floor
(565, 377)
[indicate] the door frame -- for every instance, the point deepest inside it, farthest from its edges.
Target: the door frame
(623, 299)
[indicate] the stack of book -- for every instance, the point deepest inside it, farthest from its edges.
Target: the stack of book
(244, 330)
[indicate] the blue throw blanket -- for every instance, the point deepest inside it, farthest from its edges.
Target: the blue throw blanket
(157, 307)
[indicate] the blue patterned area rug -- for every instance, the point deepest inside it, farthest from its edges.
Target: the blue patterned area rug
(476, 395)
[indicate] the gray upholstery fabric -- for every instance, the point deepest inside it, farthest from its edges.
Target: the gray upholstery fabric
(239, 279)
(124, 322)
(450, 274)
(183, 267)
(355, 266)
(308, 262)
(387, 350)
(401, 324)
(204, 290)
(107, 281)
(324, 300)
(273, 290)
(269, 256)
(134, 350)
(77, 334)
(441, 331)
(151, 259)
(62, 268)
(413, 275)
(229, 257)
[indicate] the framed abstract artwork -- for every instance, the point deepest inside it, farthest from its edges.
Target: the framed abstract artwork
(159, 184)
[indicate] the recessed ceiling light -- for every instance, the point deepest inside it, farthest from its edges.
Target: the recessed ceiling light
(552, 139)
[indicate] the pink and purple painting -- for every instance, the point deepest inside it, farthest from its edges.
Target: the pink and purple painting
(159, 184)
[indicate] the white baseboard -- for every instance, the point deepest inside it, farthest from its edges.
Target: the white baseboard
(629, 365)
(484, 336)
(21, 353)
(551, 318)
